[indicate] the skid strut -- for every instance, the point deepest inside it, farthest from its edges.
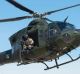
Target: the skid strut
(57, 65)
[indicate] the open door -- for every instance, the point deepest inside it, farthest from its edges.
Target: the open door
(34, 36)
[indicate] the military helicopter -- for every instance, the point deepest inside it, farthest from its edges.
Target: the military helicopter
(52, 39)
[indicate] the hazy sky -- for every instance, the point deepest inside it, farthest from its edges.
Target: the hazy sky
(40, 6)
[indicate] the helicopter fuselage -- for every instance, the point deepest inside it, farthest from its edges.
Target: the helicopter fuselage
(51, 40)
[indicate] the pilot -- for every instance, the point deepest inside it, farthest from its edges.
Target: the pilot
(28, 42)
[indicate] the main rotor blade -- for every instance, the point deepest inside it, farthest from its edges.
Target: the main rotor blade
(50, 12)
(15, 19)
(16, 4)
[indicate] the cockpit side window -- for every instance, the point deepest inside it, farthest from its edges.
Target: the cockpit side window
(70, 26)
(63, 25)
(52, 30)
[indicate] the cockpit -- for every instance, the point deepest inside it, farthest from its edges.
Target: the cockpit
(56, 27)
(63, 25)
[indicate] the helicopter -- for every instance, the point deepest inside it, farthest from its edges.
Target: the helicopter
(52, 39)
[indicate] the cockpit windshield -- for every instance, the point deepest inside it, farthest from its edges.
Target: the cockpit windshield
(63, 25)
(69, 26)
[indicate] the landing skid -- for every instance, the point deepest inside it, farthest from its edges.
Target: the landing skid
(58, 65)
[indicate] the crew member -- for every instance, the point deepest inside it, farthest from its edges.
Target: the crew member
(27, 42)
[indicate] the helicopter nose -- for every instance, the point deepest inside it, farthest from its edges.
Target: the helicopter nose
(78, 30)
(77, 37)
(72, 37)
(77, 33)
